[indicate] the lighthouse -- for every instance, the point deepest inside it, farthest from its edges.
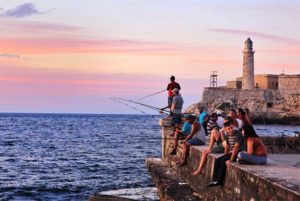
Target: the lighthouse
(248, 65)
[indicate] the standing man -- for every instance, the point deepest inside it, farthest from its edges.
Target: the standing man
(172, 85)
(176, 108)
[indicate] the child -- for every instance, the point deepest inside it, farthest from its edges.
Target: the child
(196, 137)
(182, 133)
(256, 151)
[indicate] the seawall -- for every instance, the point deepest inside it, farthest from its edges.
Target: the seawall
(274, 181)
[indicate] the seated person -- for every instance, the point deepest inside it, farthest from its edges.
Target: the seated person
(212, 124)
(182, 133)
(196, 137)
(256, 151)
(236, 121)
(234, 144)
(216, 145)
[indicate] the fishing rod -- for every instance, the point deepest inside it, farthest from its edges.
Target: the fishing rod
(150, 95)
(128, 106)
(145, 105)
(114, 99)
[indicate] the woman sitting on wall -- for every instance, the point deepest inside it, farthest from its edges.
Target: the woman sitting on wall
(256, 151)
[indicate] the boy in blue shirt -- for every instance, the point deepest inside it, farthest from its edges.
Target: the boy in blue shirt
(182, 133)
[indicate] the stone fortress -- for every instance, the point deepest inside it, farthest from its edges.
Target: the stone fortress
(270, 98)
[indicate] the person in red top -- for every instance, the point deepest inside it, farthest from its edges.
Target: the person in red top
(172, 85)
(256, 151)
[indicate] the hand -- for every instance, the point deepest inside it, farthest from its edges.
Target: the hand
(228, 163)
(161, 111)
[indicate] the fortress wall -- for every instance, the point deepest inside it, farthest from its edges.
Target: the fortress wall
(289, 84)
(271, 106)
(222, 98)
(289, 87)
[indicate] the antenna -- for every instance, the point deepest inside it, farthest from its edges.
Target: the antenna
(213, 79)
(283, 69)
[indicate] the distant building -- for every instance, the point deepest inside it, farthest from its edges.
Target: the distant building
(248, 65)
(251, 81)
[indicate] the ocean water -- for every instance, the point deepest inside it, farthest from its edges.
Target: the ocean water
(72, 156)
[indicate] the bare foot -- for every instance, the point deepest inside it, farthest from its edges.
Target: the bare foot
(182, 163)
(196, 173)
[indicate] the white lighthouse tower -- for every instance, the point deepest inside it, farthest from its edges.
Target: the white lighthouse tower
(248, 65)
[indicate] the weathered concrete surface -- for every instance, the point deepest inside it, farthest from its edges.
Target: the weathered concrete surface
(170, 186)
(287, 159)
(99, 197)
(273, 181)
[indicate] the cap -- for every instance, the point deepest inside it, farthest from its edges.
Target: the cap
(172, 77)
(189, 116)
(175, 90)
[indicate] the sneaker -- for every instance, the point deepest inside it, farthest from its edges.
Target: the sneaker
(213, 183)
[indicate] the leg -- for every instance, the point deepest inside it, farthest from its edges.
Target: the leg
(222, 170)
(257, 160)
(186, 148)
(202, 163)
(176, 136)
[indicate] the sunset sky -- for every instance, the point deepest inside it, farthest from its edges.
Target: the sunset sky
(72, 56)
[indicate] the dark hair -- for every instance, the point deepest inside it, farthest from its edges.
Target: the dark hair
(249, 131)
(228, 119)
(247, 110)
(214, 115)
(233, 110)
(192, 117)
(242, 112)
(228, 123)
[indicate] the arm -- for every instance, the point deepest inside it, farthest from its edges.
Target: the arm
(234, 151)
(250, 146)
(168, 87)
(195, 128)
(222, 135)
(165, 108)
(172, 106)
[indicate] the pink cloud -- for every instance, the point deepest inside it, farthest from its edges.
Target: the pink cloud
(257, 34)
(37, 27)
(64, 45)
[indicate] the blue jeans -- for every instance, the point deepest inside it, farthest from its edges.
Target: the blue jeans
(256, 160)
(195, 141)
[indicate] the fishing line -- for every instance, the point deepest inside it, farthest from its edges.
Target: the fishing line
(134, 108)
(145, 105)
(150, 95)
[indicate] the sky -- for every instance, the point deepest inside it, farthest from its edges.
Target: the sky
(73, 56)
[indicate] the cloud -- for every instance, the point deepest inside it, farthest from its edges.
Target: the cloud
(13, 56)
(257, 34)
(58, 45)
(35, 26)
(23, 10)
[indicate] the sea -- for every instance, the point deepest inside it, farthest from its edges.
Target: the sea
(73, 156)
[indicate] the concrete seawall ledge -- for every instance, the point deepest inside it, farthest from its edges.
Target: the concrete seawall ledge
(277, 180)
(170, 187)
